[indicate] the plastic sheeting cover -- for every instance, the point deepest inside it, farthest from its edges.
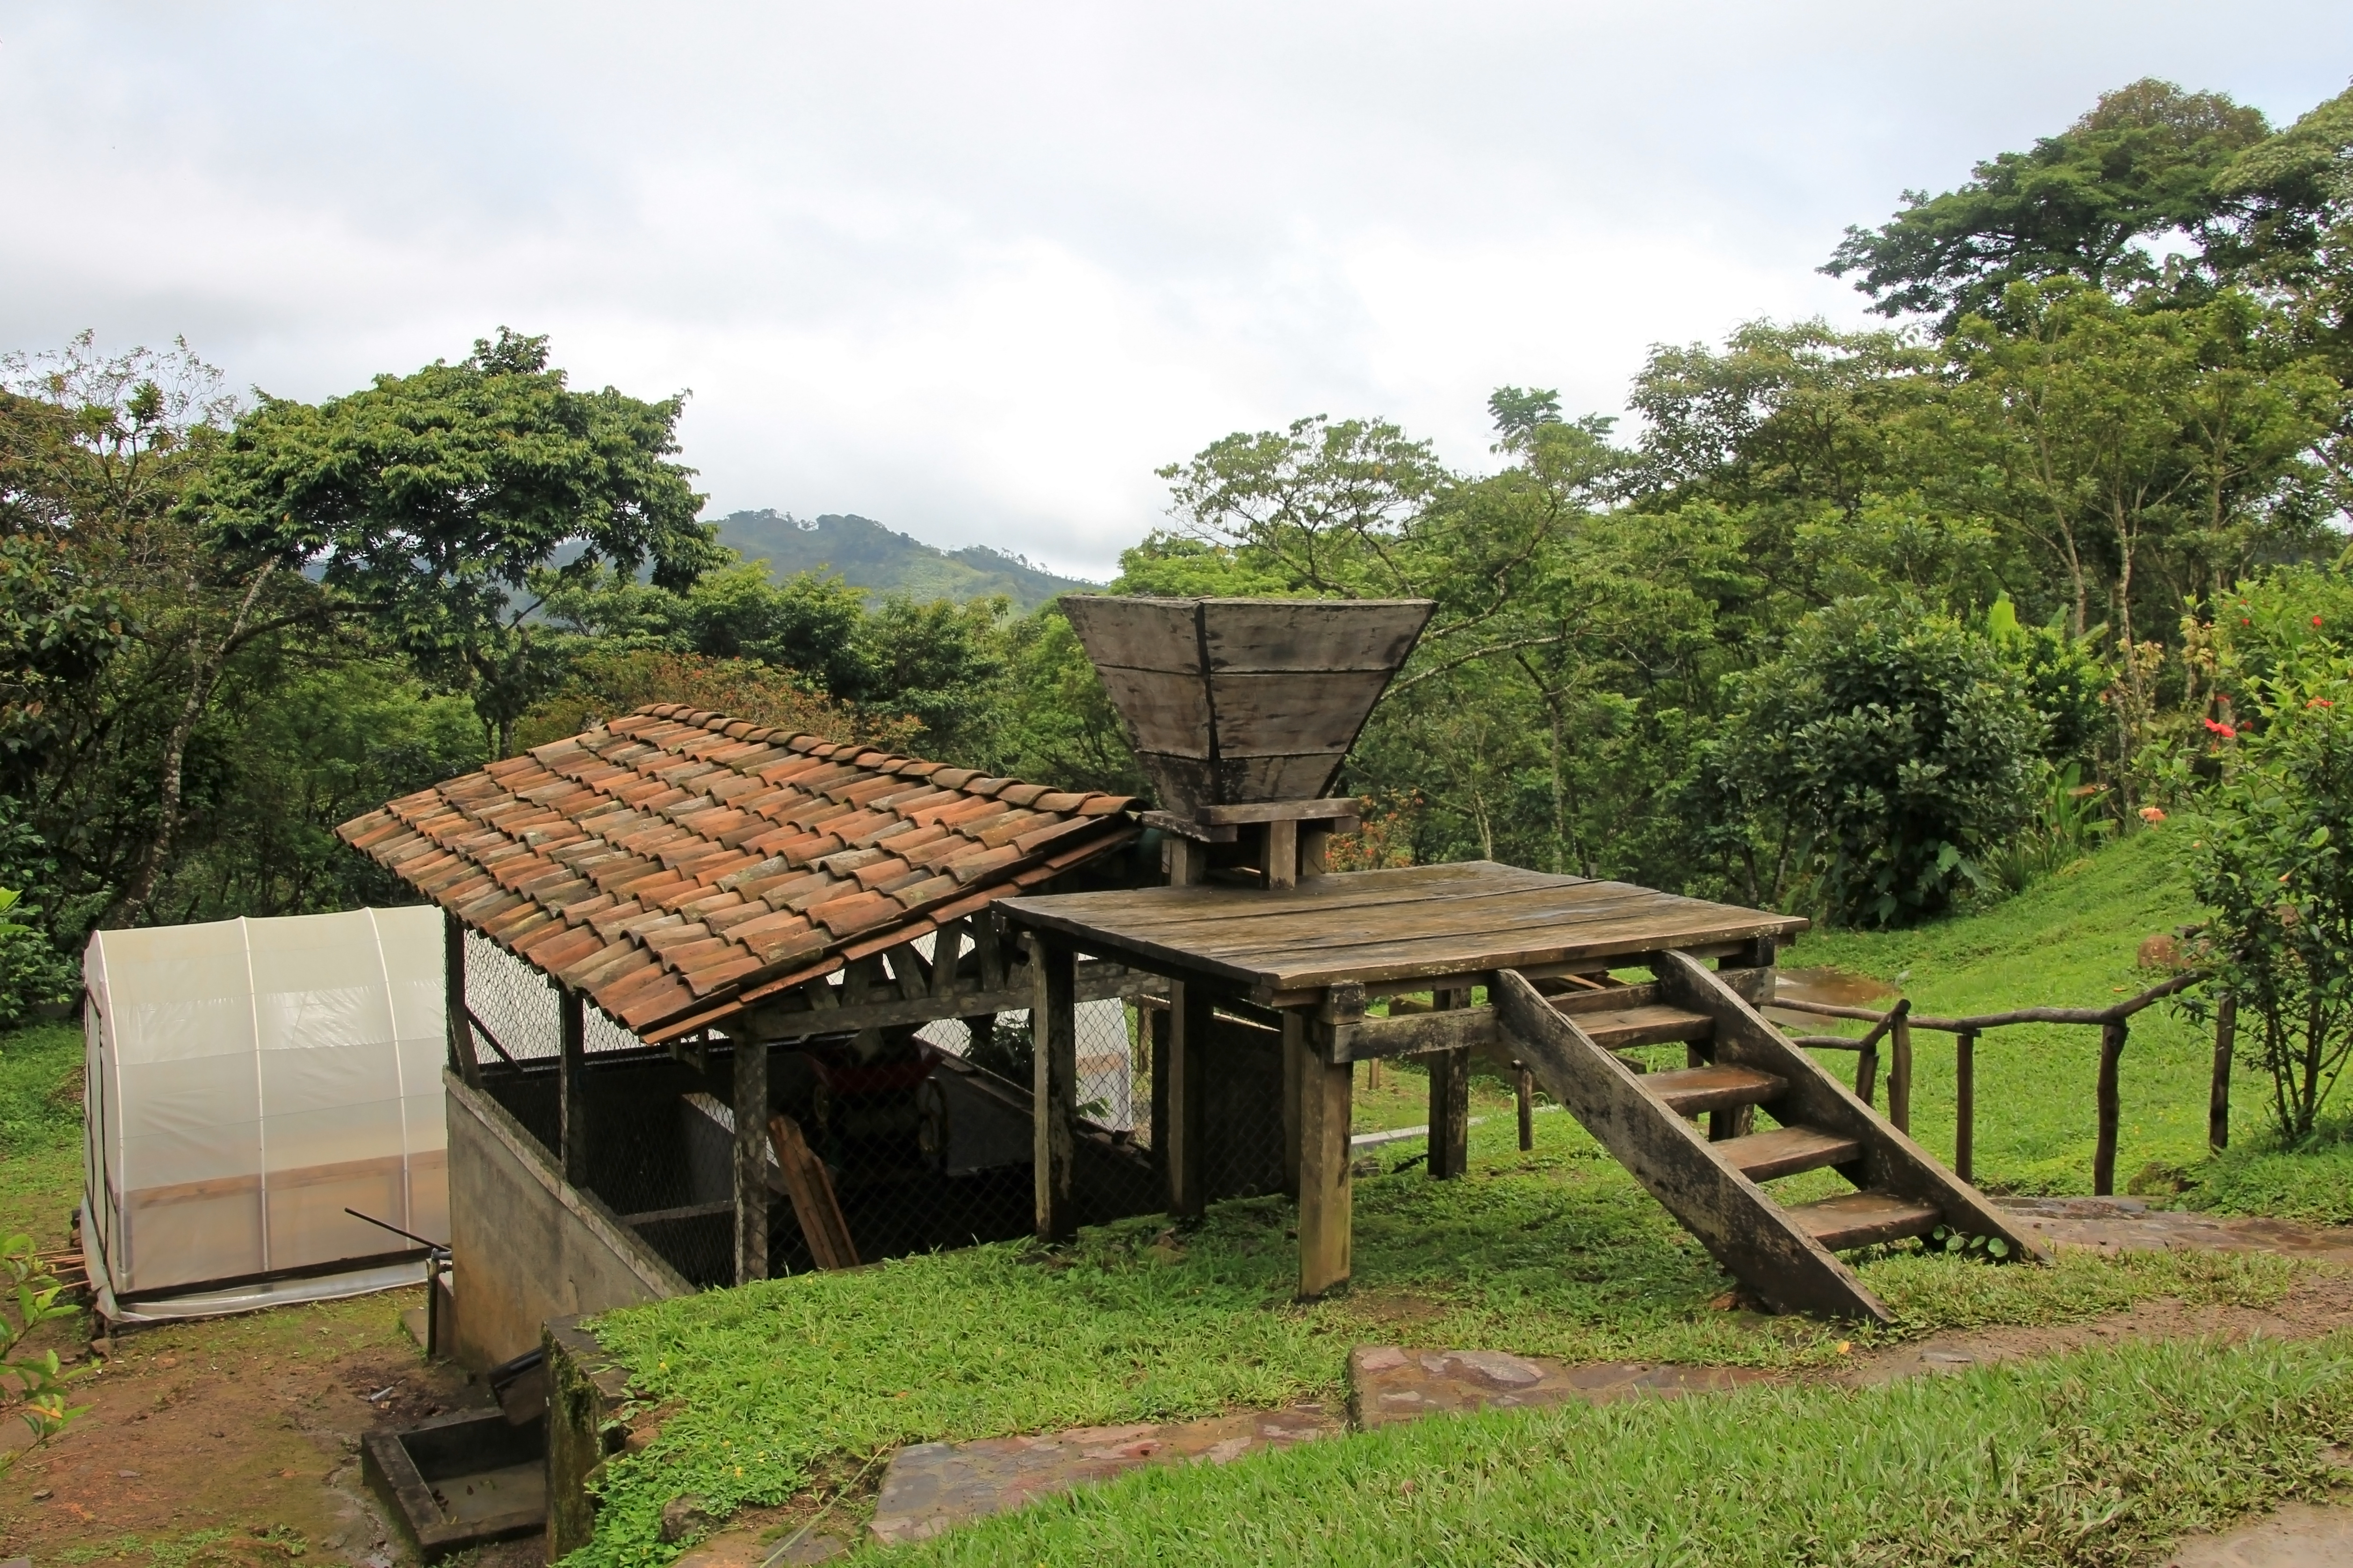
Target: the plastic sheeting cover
(250, 1079)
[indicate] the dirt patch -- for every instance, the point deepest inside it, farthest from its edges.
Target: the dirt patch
(2319, 1302)
(233, 1443)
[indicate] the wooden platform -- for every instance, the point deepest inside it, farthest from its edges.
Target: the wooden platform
(1314, 953)
(1389, 931)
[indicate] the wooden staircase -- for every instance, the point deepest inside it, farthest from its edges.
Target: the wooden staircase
(1711, 1183)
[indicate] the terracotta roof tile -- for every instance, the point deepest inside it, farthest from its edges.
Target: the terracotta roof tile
(671, 862)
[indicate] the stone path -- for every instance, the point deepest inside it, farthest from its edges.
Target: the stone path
(1387, 1384)
(2297, 1536)
(932, 1486)
(2130, 1225)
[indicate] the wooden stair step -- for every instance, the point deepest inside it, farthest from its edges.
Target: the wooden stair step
(1621, 1028)
(1786, 1150)
(1690, 1090)
(1860, 1219)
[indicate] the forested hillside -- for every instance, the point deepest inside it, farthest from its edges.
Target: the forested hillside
(1863, 622)
(869, 555)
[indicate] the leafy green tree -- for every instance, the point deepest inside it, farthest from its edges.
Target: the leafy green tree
(1887, 748)
(427, 502)
(2142, 166)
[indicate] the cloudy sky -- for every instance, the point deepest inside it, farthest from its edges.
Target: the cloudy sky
(977, 269)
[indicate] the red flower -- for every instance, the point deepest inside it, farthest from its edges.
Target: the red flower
(2320, 702)
(2315, 620)
(2225, 730)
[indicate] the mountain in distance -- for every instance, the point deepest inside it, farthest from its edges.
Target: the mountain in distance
(874, 557)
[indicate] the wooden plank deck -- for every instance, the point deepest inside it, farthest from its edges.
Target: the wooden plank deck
(1417, 922)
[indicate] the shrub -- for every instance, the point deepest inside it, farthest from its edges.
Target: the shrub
(33, 974)
(2273, 865)
(1900, 747)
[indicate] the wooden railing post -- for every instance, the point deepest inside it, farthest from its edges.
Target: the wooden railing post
(1899, 1076)
(2218, 1096)
(2113, 1035)
(749, 1069)
(1965, 1106)
(1524, 1088)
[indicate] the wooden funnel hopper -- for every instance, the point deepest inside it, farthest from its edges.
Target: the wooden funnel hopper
(1237, 701)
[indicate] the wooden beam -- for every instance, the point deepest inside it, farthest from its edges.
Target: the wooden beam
(1096, 982)
(572, 1085)
(1191, 1010)
(810, 1187)
(1054, 1085)
(1280, 855)
(751, 1096)
(1326, 1199)
(453, 998)
(1295, 1048)
(1324, 809)
(1450, 1096)
(2113, 1033)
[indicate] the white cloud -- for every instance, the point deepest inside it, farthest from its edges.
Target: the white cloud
(976, 270)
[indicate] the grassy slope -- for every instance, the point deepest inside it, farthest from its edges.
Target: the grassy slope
(2099, 1457)
(2069, 941)
(40, 1132)
(1556, 1253)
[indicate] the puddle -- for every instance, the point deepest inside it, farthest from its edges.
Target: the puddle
(1833, 986)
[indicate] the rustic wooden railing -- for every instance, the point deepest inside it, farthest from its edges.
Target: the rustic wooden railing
(1895, 1025)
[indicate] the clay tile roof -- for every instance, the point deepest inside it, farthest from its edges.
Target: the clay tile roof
(672, 861)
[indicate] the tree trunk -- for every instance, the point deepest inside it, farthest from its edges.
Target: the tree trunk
(205, 669)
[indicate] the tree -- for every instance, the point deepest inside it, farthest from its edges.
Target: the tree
(427, 502)
(1887, 747)
(2142, 166)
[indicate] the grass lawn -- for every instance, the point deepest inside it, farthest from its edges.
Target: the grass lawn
(2099, 1457)
(1556, 1253)
(40, 1132)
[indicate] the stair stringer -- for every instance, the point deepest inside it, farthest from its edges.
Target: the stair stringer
(1737, 1221)
(1891, 1161)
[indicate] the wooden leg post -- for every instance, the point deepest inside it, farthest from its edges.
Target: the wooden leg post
(2113, 1035)
(1899, 1076)
(1449, 1101)
(453, 982)
(1524, 1088)
(750, 1093)
(1054, 1053)
(1325, 1196)
(572, 1087)
(1191, 1014)
(1281, 855)
(1295, 1053)
(2218, 1095)
(1965, 1106)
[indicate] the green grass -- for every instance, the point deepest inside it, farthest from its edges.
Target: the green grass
(40, 1130)
(2070, 941)
(1556, 1253)
(2100, 1458)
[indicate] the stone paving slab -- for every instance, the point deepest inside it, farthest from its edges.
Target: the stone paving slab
(2130, 1224)
(933, 1486)
(1387, 1384)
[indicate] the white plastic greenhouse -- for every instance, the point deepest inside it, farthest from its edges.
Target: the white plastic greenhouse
(248, 1082)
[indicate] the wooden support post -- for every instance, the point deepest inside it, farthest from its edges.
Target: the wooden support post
(1325, 1196)
(1524, 1088)
(1186, 861)
(2218, 1095)
(453, 988)
(1281, 854)
(2113, 1035)
(750, 1095)
(1054, 1086)
(1191, 1014)
(1449, 1101)
(1314, 850)
(1295, 1051)
(1965, 1105)
(572, 1085)
(1899, 1076)
(1866, 1072)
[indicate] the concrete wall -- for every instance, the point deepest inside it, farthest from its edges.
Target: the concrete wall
(524, 1247)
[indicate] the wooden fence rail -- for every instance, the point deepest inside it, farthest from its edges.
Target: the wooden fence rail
(2114, 1024)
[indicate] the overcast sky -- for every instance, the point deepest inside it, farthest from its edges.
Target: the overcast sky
(976, 270)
